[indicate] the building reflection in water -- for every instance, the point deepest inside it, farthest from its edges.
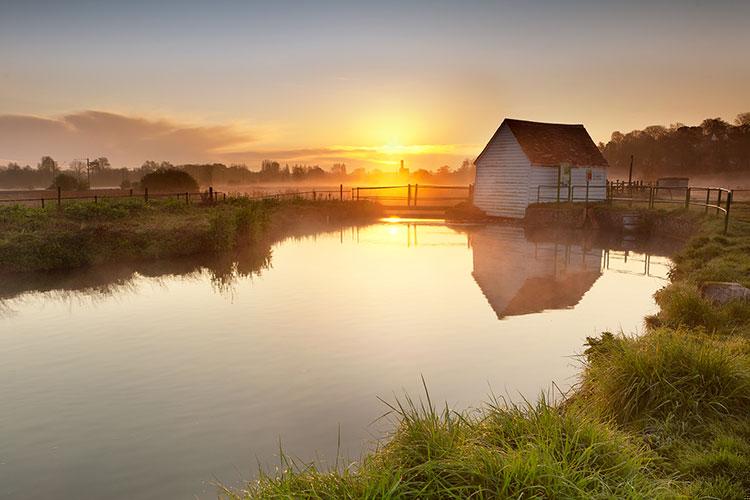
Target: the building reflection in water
(520, 276)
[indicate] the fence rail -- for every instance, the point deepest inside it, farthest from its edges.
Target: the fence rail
(649, 195)
(58, 199)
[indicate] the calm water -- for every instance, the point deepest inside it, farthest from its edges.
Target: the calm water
(151, 384)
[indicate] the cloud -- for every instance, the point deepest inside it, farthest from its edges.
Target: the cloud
(131, 140)
(125, 140)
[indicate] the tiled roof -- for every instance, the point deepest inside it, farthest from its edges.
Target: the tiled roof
(552, 144)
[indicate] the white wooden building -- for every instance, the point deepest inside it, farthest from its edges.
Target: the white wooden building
(528, 162)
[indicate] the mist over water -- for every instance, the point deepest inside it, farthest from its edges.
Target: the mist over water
(152, 381)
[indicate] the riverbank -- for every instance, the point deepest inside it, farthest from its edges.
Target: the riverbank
(117, 231)
(663, 415)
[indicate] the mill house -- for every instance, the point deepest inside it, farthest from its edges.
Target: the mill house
(530, 162)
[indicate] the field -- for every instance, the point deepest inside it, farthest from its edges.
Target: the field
(84, 233)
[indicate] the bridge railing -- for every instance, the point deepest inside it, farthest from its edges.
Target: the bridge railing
(414, 195)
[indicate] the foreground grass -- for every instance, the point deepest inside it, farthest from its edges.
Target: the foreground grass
(663, 415)
(115, 231)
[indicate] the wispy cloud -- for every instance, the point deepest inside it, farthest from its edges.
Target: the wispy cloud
(130, 140)
(124, 139)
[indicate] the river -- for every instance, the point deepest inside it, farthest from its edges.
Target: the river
(154, 381)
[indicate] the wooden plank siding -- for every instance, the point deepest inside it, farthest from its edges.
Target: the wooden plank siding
(502, 179)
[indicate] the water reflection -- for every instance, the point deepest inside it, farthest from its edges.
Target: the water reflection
(147, 381)
(520, 275)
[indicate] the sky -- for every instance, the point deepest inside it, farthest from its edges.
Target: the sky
(364, 83)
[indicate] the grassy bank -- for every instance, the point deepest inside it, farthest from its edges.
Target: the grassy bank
(115, 231)
(663, 415)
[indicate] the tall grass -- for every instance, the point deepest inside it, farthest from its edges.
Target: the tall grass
(531, 451)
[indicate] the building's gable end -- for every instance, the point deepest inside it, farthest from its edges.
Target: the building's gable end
(502, 176)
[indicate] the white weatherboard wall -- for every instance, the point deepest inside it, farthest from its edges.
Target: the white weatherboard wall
(501, 188)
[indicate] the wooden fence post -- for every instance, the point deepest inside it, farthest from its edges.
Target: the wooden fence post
(718, 201)
(687, 198)
(131, 192)
(59, 196)
(145, 195)
(187, 198)
(408, 195)
(314, 195)
(211, 193)
(42, 202)
(416, 190)
(341, 192)
(357, 194)
(730, 195)
(708, 198)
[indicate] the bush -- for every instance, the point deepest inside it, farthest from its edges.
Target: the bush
(67, 182)
(169, 180)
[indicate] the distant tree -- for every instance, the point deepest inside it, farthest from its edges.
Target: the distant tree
(67, 182)
(714, 146)
(743, 119)
(99, 165)
(78, 167)
(169, 179)
(47, 166)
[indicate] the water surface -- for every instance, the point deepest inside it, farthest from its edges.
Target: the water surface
(152, 383)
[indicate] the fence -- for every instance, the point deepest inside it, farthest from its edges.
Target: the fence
(715, 199)
(58, 199)
(425, 196)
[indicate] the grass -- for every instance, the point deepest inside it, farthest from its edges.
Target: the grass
(662, 415)
(114, 231)
(536, 451)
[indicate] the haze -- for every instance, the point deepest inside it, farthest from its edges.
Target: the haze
(366, 84)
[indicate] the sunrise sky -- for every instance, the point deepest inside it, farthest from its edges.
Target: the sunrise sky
(366, 84)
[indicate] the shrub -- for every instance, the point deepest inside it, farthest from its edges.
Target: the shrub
(67, 182)
(169, 180)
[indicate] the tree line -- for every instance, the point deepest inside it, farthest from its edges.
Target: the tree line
(713, 147)
(80, 174)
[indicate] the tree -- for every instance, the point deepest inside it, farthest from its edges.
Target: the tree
(67, 182)
(47, 165)
(99, 164)
(743, 119)
(169, 179)
(78, 167)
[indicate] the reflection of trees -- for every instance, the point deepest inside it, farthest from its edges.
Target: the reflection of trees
(223, 270)
(102, 281)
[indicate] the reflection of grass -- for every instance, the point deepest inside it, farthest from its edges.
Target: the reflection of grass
(665, 415)
(81, 234)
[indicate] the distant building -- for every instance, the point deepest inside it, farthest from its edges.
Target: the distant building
(673, 182)
(526, 162)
